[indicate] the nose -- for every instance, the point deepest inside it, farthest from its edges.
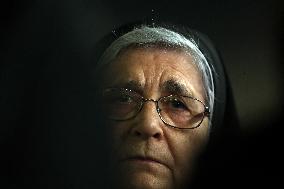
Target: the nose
(147, 123)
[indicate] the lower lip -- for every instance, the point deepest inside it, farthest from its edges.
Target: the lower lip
(144, 165)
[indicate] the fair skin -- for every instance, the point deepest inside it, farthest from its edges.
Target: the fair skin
(147, 153)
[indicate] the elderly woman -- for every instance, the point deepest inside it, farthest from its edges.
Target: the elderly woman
(162, 95)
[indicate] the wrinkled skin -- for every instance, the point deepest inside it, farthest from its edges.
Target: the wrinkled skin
(146, 153)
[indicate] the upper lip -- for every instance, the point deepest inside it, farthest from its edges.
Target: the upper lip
(144, 158)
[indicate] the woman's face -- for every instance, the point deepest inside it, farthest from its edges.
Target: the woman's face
(146, 153)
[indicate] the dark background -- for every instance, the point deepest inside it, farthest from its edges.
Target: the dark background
(46, 117)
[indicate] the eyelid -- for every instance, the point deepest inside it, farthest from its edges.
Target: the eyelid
(137, 93)
(132, 91)
(180, 94)
(180, 97)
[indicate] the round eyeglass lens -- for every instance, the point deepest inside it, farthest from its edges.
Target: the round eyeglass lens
(121, 104)
(181, 111)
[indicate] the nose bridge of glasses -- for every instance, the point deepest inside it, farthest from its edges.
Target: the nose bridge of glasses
(152, 100)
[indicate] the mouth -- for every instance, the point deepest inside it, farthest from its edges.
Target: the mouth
(145, 161)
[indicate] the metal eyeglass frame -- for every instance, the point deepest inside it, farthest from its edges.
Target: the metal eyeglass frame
(144, 100)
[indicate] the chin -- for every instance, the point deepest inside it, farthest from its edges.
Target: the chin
(144, 181)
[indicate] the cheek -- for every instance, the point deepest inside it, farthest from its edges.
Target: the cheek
(190, 145)
(186, 147)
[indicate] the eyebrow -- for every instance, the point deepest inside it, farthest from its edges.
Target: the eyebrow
(174, 87)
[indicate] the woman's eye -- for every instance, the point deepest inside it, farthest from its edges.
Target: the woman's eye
(177, 104)
(124, 99)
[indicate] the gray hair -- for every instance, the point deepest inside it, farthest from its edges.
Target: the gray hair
(157, 35)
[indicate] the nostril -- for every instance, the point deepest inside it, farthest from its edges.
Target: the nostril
(157, 135)
(138, 133)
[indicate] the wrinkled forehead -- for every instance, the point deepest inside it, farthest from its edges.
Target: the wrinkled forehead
(169, 69)
(161, 47)
(154, 55)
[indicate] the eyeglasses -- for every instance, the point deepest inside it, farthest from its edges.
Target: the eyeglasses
(181, 112)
